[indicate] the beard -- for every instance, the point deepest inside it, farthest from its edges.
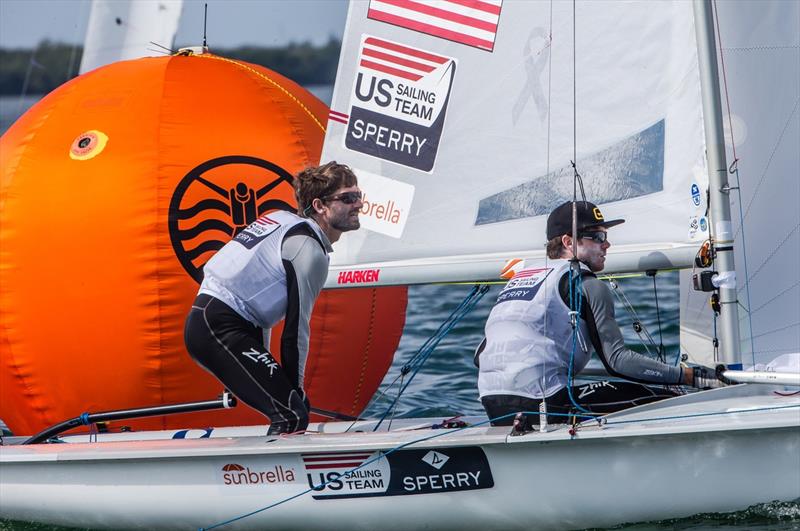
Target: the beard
(346, 222)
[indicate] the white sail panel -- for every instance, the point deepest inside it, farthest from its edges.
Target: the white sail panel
(761, 55)
(485, 138)
(125, 29)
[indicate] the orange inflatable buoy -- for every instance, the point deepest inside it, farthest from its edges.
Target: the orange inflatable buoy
(115, 189)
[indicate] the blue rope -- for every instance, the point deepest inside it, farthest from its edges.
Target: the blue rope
(576, 307)
(84, 418)
(421, 356)
(456, 430)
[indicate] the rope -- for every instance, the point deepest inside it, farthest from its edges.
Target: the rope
(575, 307)
(477, 424)
(421, 356)
(268, 80)
(638, 325)
(662, 356)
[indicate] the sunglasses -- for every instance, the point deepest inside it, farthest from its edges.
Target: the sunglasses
(348, 198)
(596, 236)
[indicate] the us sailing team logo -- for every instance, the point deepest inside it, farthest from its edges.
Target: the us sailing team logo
(217, 200)
(398, 103)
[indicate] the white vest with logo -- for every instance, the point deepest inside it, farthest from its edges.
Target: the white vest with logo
(247, 274)
(529, 337)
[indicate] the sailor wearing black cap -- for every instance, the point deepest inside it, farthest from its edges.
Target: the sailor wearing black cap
(530, 351)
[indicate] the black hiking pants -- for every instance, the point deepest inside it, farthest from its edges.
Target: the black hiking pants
(232, 349)
(597, 397)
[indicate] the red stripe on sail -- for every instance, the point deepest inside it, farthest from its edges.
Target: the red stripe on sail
(477, 4)
(432, 30)
(389, 70)
(442, 13)
(397, 60)
(337, 119)
(406, 50)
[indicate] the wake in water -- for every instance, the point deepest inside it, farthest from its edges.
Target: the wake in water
(772, 516)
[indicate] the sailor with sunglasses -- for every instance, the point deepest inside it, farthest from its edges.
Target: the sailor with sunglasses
(273, 269)
(530, 351)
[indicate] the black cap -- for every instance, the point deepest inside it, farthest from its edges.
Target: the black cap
(560, 220)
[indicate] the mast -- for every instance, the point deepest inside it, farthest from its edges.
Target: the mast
(719, 204)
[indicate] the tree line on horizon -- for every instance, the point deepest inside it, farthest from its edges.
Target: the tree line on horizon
(51, 64)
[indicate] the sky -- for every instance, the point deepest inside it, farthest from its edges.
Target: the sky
(24, 23)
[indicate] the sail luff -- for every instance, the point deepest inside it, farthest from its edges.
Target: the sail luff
(719, 188)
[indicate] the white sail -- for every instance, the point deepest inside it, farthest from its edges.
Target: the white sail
(761, 56)
(463, 150)
(125, 29)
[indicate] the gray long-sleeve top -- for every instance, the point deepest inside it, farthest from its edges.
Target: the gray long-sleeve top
(610, 346)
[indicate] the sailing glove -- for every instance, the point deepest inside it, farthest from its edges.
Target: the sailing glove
(708, 378)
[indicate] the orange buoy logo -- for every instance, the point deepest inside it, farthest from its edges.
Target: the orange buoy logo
(217, 200)
(88, 145)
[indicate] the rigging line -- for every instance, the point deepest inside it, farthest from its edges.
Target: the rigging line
(715, 338)
(725, 80)
(377, 399)
(417, 365)
(779, 329)
(772, 155)
(773, 299)
(422, 355)
(735, 171)
(455, 316)
(575, 302)
(421, 352)
(774, 251)
(574, 96)
(170, 50)
(394, 409)
(661, 353)
(644, 335)
(744, 256)
(549, 87)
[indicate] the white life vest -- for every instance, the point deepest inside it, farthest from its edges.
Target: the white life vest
(529, 337)
(248, 275)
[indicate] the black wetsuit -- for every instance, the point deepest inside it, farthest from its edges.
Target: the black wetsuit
(234, 348)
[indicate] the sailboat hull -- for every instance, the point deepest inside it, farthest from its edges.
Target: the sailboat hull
(650, 463)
